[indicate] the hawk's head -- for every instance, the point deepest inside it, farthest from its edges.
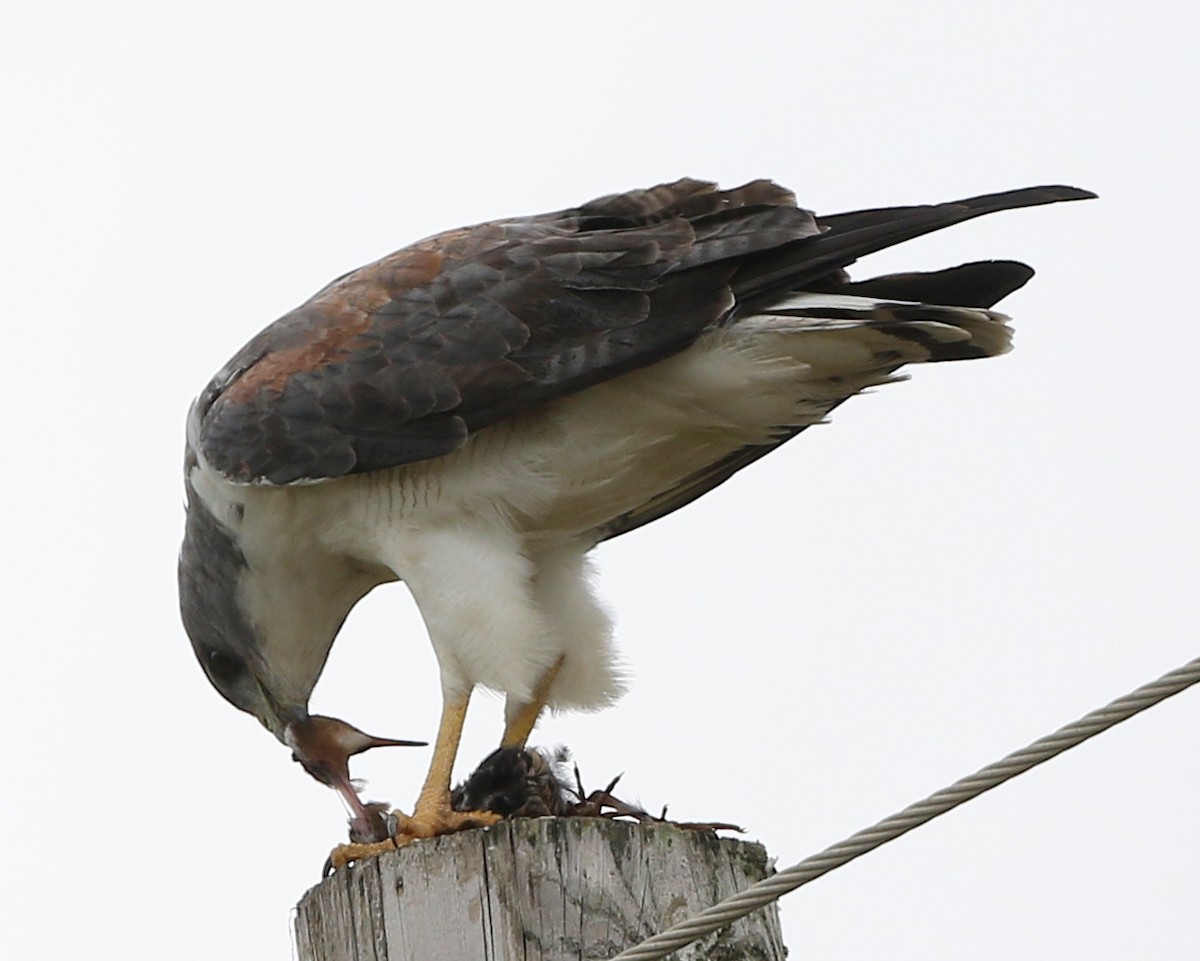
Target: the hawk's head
(261, 647)
(226, 635)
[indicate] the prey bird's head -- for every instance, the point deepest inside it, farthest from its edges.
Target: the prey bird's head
(323, 746)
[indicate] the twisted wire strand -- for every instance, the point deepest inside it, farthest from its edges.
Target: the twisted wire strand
(764, 892)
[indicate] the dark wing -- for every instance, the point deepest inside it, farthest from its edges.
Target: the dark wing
(399, 361)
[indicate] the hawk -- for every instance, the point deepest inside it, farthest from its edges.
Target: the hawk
(471, 415)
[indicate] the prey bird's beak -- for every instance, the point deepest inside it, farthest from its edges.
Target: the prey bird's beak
(323, 746)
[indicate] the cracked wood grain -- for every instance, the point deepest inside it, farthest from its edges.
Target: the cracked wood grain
(545, 889)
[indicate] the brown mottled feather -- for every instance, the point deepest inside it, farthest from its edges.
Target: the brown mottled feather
(400, 360)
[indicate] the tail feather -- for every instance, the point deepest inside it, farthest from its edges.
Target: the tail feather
(845, 335)
(898, 332)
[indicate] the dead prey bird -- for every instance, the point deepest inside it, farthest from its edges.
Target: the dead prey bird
(531, 782)
(474, 413)
(510, 783)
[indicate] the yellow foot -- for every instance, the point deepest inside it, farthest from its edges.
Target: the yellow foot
(344, 854)
(435, 823)
(411, 828)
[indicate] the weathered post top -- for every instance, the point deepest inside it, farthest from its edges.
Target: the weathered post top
(545, 889)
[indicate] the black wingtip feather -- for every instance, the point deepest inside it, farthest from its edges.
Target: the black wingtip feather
(849, 236)
(1026, 196)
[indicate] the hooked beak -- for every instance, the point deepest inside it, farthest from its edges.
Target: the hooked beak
(279, 717)
(323, 746)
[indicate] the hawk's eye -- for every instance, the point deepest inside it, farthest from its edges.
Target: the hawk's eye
(224, 667)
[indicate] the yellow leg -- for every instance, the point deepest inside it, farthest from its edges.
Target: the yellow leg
(434, 798)
(520, 724)
(432, 815)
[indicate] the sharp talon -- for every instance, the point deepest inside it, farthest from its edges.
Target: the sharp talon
(345, 854)
(411, 828)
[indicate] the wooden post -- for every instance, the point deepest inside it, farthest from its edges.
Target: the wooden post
(545, 889)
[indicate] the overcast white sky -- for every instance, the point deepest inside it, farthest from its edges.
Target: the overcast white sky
(956, 566)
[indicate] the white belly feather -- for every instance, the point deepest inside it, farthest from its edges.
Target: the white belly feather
(559, 473)
(492, 539)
